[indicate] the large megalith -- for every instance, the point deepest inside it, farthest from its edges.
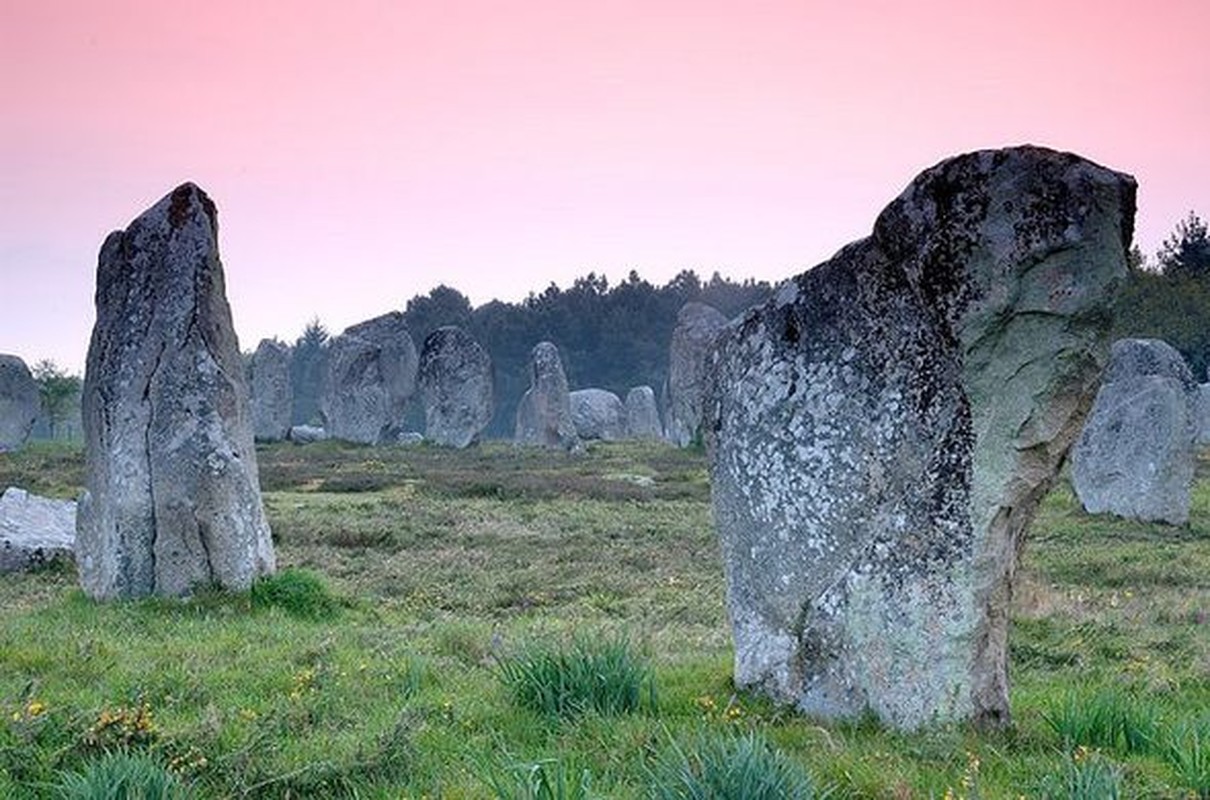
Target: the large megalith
(544, 413)
(20, 402)
(172, 496)
(456, 387)
(881, 431)
(598, 414)
(1134, 457)
(642, 415)
(696, 326)
(272, 394)
(369, 377)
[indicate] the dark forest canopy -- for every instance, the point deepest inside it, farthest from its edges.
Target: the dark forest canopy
(610, 337)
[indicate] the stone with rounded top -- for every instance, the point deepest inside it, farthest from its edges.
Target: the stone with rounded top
(369, 377)
(696, 326)
(456, 386)
(642, 415)
(881, 431)
(544, 413)
(172, 496)
(598, 414)
(1134, 458)
(272, 394)
(20, 402)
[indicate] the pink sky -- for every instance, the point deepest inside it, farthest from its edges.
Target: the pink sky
(364, 151)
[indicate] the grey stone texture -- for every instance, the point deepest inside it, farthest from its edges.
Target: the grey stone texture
(1134, 458)
(272, 394)
(172, 495)
(456, 387)
(1202, 414)
(370, 375)
(642, 415)
(697, 324)
(20, 402)
(880, 432)
(34, 531)
(307, 434)
(544, 412)
(598, 414)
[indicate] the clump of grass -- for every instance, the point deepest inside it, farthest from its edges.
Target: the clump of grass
(720, 767)
(1105, 719)
(123, 775)
(1187, 751)
(606, 677)
(548, 779)
(1087, 775)
(298, 592)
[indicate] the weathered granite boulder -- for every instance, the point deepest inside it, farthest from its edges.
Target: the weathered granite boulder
(20, 402)
(642, 416)
(880, 432)
(34, 531)
(456, 387)
(307, 434)
(369, 378)
(696, 326)
(172, 495)
(598, 414)
(272, 395)
(544, 413)
(1135, 455)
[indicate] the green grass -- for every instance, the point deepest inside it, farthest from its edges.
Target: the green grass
(602, 677)
(122, 775)
(720, 767)
(371, 665)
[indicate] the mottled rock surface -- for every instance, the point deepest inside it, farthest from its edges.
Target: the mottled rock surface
(172, 495)
(544, 413)
(1202, 414)
(598, 414)
(642, 415)
(272, 395)
(34, 531)
(456, 387)
(1134, 458)
(370, 375)
(20, 402)
(696, 326)
(307, 434)
(881, 431)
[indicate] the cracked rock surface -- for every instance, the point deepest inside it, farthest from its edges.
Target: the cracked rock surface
(271, 393)
(369, 378)
(172, 495)
(881, 431)
(697, 324)
(456, 387)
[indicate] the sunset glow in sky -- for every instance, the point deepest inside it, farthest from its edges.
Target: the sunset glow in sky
(364, 151)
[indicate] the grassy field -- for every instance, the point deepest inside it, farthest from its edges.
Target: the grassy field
(432, 599)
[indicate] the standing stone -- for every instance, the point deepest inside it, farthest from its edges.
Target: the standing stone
(696, 326)
(456, 387)
(1202, 414)
(172, 496)
(34, 531)
(880, 433)
(544, 413)
(272, 395)
(1135, 455)
(20, 402)
(370, 375)
(642, 416)
(598, 414)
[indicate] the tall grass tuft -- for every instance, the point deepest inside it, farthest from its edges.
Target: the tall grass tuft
(1104, 719)
(606, 677)
(297, 592)
(123, 775)
(1087, 775)
(548, 779)
(721, 767)
(1187, 750)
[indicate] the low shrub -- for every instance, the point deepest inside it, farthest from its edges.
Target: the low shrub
(297, 592)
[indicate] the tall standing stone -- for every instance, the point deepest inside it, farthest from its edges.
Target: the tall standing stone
(544, 413)
(696, 326)
(20, 402)
(172, 496)
(272, 394)
(881, 431)
(642, 415)
(370, 375)
(598, 414)
(456, 387)
(1135, 455)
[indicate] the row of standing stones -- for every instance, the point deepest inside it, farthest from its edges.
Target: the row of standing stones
(878, 434)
